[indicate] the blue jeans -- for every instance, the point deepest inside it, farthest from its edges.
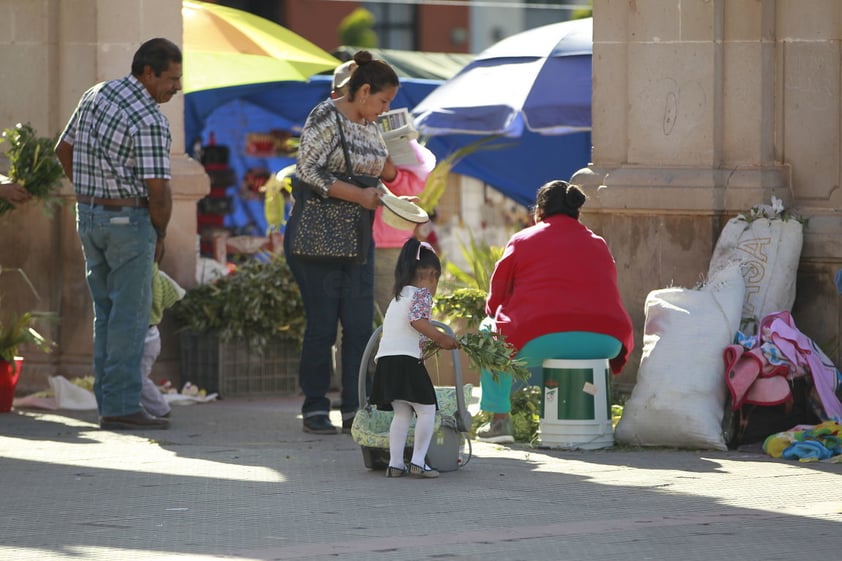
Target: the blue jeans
(119, 248)
(333, 294)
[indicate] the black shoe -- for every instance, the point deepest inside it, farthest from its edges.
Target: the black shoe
(346, 425)
(136, 421)
(319, 424)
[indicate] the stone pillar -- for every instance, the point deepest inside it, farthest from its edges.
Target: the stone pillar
(701, 110)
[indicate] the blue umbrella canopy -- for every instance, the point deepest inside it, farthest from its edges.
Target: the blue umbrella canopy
(539, 80)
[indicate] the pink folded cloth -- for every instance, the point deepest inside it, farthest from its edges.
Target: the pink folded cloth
(752, 379)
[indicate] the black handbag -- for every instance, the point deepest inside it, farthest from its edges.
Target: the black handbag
(327, 229)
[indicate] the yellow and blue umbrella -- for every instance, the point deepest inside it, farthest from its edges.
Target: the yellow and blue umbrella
(226, 47)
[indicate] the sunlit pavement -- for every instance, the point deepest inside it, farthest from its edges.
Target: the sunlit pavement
(238, 479)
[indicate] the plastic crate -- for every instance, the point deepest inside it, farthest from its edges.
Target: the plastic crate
(234, 369)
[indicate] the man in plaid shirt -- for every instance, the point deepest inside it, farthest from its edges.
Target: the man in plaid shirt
(116, 151)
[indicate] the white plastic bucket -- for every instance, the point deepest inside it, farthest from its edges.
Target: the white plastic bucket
(575, 405)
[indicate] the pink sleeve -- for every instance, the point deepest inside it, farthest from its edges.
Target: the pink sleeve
(405, 183)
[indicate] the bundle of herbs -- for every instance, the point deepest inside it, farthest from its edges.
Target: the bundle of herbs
(256, 303)
(490, 352)
(33, 165)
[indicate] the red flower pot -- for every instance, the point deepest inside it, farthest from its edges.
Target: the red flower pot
(9, 374)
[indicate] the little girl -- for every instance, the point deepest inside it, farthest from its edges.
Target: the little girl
(401, 382)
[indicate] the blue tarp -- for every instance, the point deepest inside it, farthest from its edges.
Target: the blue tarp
(230, 113)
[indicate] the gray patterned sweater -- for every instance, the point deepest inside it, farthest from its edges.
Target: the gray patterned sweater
(320, 156)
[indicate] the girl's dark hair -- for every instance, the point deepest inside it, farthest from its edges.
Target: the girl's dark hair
(376, 73)
(157, 53)
(559, 197)
(410, 261)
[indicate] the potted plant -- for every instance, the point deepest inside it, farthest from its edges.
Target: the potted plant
(14, 334)
(241, 333)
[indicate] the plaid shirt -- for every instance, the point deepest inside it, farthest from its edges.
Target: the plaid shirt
(119, 138)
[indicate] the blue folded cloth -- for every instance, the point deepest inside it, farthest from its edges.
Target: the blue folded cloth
(806, 450)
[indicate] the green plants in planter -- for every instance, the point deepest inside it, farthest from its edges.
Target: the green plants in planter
(241, 333)
(14, 334)
(19, 331)
(257, 302)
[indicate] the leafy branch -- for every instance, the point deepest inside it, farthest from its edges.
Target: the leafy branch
(490, 352)
(33, 165)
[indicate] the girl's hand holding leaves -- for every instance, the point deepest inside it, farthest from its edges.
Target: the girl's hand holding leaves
(490, 352)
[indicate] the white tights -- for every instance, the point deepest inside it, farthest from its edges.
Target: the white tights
(399, 430)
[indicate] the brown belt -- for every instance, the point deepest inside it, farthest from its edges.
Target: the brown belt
(114, 204)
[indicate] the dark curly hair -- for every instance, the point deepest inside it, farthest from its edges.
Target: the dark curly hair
(559, 197)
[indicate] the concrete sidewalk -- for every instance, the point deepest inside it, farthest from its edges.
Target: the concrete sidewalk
(238, 479)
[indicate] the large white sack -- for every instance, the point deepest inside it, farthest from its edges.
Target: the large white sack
(768, 251)
(679, 397)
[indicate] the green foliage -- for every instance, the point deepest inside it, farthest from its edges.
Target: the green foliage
(356, 29)
(463, 292)
(33, 165)
(490, 352)
(467, 304)
(19, 331)
(481, 259)
(525, 415)
(257, 302)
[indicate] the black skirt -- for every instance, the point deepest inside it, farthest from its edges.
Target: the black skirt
(401, 377)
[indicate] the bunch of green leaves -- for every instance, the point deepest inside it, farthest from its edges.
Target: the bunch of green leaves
(256, 303)
(33, 165)
(490, 352)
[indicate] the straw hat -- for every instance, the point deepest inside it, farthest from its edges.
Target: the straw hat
(402, 214)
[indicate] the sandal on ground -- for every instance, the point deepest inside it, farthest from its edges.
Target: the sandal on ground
(425, 472)
(395, 472)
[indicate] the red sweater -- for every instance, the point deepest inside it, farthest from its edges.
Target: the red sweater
(558, 276)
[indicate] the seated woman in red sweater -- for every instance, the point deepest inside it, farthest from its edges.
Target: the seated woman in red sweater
(554, 294)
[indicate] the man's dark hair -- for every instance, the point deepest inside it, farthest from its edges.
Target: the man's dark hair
(157, 53)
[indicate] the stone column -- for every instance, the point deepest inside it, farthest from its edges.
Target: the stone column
(701, 110)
